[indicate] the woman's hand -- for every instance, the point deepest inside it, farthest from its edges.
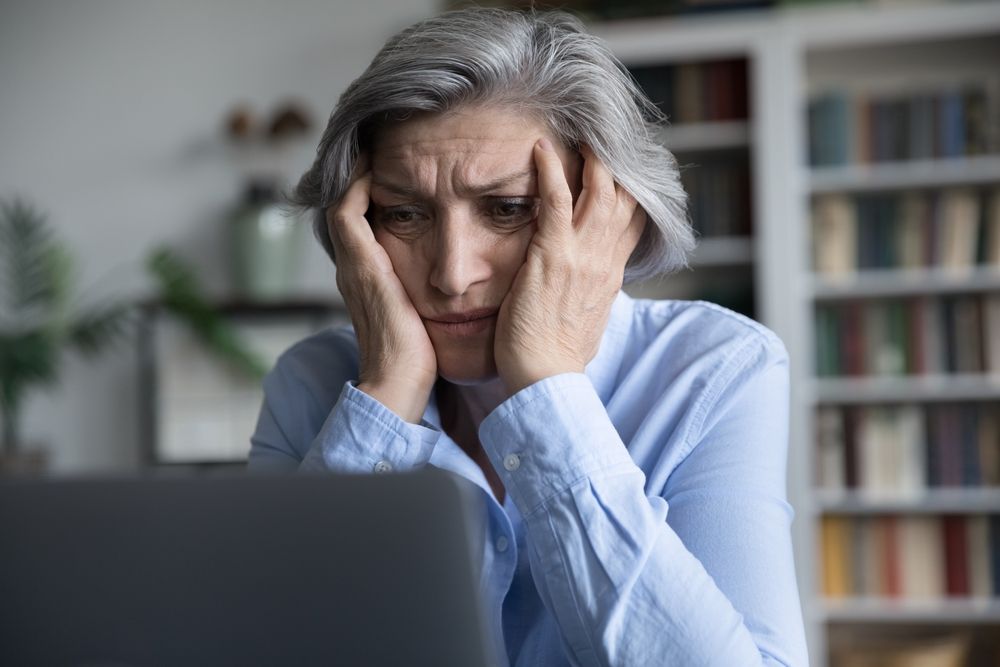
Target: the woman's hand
(553, 318)
(398, 365)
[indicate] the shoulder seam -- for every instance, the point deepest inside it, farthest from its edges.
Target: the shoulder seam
(729, 368)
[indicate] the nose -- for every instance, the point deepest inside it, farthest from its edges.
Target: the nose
(460, 256)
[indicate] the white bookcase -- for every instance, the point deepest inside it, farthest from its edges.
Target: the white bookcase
(793, 54)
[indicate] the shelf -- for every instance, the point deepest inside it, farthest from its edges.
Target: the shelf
(723, 251)
(923, 388)
(901, 175)
(946, 611)
(837, 26)
(717, 135)
(906, 282)
(930, 501)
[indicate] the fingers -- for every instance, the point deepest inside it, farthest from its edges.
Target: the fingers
(629, 239)
(599, 195)
(556, 212)
(349, 230)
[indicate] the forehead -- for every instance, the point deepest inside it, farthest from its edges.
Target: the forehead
(472, 127)
(466, 146)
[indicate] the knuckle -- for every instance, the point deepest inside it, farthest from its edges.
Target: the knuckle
(606, 197)
(559, 200)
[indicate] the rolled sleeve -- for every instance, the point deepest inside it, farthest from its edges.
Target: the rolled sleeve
(362, 436)
(533, 439)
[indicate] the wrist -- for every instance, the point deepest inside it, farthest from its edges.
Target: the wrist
(401, 397)
(515, 381)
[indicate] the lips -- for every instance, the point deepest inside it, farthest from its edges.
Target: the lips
(468, 323)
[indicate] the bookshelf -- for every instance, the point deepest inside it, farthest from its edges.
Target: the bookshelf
(903, 226)
(925, 460)
(706, 99)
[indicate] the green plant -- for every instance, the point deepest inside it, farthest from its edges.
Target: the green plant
(38, 314)
(183, 297)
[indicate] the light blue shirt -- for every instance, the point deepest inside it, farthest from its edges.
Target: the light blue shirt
(645, 520)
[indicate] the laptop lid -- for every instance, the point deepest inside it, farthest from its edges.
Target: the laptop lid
(240, 570)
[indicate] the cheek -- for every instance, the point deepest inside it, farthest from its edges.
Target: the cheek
(510, 253)
(405, 260)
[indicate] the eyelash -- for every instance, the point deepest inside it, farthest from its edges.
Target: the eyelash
(525, 209)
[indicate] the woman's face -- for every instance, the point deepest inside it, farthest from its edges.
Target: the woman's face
(454, 203)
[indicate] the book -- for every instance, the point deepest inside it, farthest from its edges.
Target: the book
(991, 231)
(891, 557)
(834, 235)
(875, 454)
(914, 218)
(932, 324)
(967, 338)
(960, 223)
(921, 110)
(995, 552)
(688, 97)
(989, 446)
(976, 121)
(980, 573)
(951, 127)
(956, 556)
(921, 557)
(991, 325)
(830, 448)
(838, 581)
(913, 451)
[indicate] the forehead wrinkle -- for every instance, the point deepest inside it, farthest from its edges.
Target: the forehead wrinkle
(466, 173)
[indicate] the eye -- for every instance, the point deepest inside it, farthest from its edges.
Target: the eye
(397, 216)
(513, 210)
(403, 222)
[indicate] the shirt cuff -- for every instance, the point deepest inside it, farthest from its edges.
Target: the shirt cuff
(361, 435)
(548, 437)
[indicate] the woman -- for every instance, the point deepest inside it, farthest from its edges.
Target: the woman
(486, 187)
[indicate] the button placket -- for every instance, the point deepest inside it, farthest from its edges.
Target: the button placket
(511, 462)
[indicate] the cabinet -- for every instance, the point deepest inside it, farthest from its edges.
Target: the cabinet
(873, 142)
(198, 411)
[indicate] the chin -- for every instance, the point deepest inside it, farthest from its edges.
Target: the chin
(467, 370)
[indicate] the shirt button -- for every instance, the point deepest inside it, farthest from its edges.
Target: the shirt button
(512, 462)
(502, 544)
(382, 467)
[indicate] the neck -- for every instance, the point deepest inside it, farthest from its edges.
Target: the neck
(463, 408)
(470, 403)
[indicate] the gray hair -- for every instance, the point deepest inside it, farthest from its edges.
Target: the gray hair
(542, 63)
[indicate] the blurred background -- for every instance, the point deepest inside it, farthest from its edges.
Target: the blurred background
(116, 127)
(843, 165)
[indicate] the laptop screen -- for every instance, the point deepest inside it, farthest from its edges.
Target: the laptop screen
(240, 570)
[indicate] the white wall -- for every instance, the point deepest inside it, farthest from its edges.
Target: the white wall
(110, 115)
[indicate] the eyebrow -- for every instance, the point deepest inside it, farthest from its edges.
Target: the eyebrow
(473, 190)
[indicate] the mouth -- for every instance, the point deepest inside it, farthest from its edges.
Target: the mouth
(469, 323)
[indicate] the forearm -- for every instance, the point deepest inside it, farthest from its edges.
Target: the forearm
(620, 581)
(361, 435)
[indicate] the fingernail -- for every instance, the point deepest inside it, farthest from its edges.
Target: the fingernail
(545, 144)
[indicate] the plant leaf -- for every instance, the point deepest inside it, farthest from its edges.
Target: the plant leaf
(183, 296)
(27, 358)
(37, 270)
(91, 332)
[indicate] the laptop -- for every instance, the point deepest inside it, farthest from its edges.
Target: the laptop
(241, 570)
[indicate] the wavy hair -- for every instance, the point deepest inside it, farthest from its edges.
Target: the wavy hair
(543, 63)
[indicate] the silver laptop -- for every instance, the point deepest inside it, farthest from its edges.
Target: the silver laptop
(240, 570)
